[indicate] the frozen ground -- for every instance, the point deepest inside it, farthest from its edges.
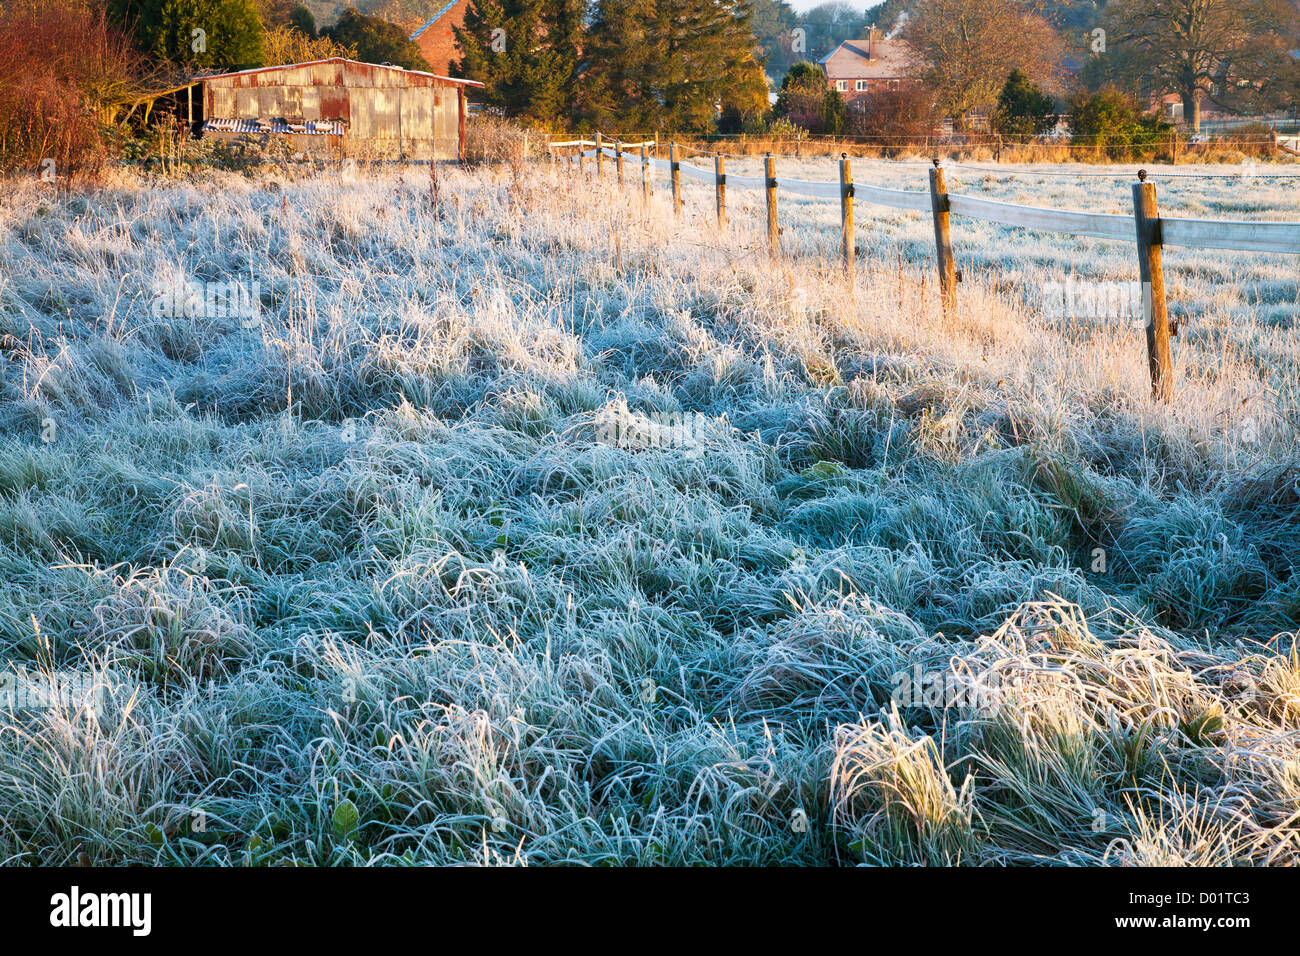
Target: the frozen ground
(537, 526)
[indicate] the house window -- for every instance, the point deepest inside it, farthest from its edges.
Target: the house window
(841, 85)
(862, 86)
(893, 84)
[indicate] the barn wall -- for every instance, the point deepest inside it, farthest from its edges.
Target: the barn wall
(446, 131)
(391, 114)
(306, 92)
(417, 122)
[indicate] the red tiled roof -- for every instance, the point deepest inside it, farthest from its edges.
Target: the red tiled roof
(860, 59)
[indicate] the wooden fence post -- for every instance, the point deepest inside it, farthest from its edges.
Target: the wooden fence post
(1154, 312)
(846, 213)
(645, 176)
(720, 188)
(676, 170)
(600, 157)
(618, 159)
(769, 187)
(943, 239)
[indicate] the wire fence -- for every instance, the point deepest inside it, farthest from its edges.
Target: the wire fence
(1146, 227)
(1171, 147)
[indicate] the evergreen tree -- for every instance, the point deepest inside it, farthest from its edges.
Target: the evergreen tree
(672, 64)
(197, 33)
(1023, 108)
(525, 52)
(301, 19)
(376, 40)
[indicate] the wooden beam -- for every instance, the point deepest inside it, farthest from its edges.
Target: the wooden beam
(645, 177)
(943, 239)
(720, 188)
(460, 149)
(1151, 271)
(676, 171)
(846, 213)
(769, 188)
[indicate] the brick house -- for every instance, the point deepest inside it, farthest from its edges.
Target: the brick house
(1168, 106)
(437, 41)
(857, 68)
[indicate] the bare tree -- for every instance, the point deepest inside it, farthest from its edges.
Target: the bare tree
(1234, 52)
(966, 49)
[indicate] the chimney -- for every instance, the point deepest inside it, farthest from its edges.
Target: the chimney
(871, 44)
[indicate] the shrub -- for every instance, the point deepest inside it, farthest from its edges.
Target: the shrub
(290, 45)
(1110, 121)
(782, 128)
(64, 72)
(491, 138)
(45, 128)
(896, 117)
(807, 101)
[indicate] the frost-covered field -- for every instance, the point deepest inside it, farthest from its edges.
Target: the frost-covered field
(540, 527)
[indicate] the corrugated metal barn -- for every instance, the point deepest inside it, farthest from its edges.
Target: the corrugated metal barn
(342, 108)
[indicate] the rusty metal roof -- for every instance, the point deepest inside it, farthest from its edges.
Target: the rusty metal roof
(340, 59)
